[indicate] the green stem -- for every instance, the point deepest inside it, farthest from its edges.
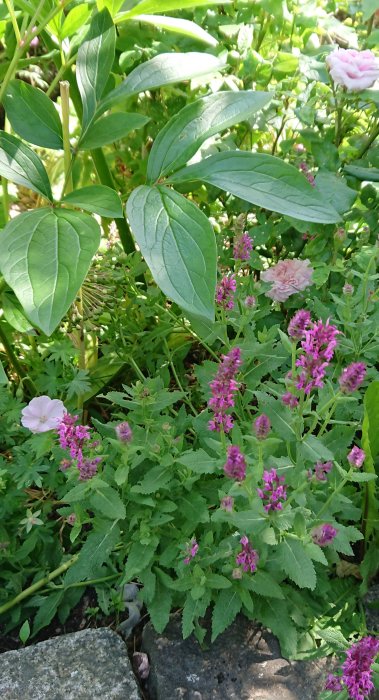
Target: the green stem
(65, 103)
(4, 184)
(11, 11)
(61, 72)
(12, 357)
(78, 584)
(336, 490)
(329, 414)
(36, 586)
(374, 134)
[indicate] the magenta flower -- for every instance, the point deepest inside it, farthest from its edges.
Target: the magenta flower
(225, 292)
(290, 399)
(223, 388)
(42, 414)
(318, 349)
(124, 432)
(243, 246)
(354, 70)
(323, 534)
(77, 438)
(321, 470)
(298, 324)
(288, 277)
(235, 465)
(250, 301)
(227, 503)
(304, 168)
(262, 426)
(333, 683)
(356, 669)
(191, 551)
(348, 289)
(88, 468)
(352, 377)
(356, 457)
(248, 558)
(273, 493)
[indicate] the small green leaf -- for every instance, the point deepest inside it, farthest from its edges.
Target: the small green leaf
(94, 63)
(227, 606)
(42, 126)
(184, 133)
(192, 611)
(3, 376)
(24, 632)
(19, 164)
(159, 609)
(334, 638)
(152, 6)
(296, 563)
(74, 20)
(263, 180)
(44, 257)
(180, 26)
(178, 244)
(111, 128)
(164, 69)
(368, 174)
(199, 462)
(263, 584)
(156, 478)
(95, 551)
(139, 558)
(47, 610)
(98, 199)
(13, 313)
(107, 501)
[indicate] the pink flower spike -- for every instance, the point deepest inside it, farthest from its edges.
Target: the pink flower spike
(42, 414)
(262, 426)
(298, 324)
(225, 292)
(352, 377)
(235, 465)
(290, 400)
(356, 457)
(323, 534)
(191, 551)
(288, 277)
(357, 668)
(248, 558)
(124, 431)
(243, 246)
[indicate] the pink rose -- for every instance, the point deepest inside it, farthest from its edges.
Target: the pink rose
(288, 277)
(354, 70)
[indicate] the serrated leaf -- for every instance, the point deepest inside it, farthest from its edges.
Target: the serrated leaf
(108, 502)
(111, 128)
(314, 450)
(362, 477)
(98, 199)
(280, 416)
(226, 607)
(44, 257)
(198, 461)
(180, 26)
(164, 69)
(263, 180)
(194, 508)
(263, 584)
(296, 563)
(43, 126)
(246, 599)
(159, 609)
(94, 63)
(184, 133)
(95, 551)
(139, 557)
(192, 611)
(334, 638)
(46, 611)
(156, 478)
(274, 614)
(217, 581)
(148, 580)
(370, 445)
(19, 164)
(315, 552)
(178, 244)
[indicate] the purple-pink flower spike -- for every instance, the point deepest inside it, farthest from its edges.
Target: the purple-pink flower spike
(235, 465)
(191, 551)
(223, 388)
(124, 432)
(352, 377)
(318, 348)
(356, 670)
(323, 534)
(262, 426)
(248, 558)
(273, 493)
(243, 246)
(356, 457)
(298, 324)
(290, 399)
(225, 292)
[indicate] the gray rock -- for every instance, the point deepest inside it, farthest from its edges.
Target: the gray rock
(244, 663)
(88, 665)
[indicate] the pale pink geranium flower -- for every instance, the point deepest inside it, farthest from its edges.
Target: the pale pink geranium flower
(42, 414)
(288, 277)
(354, 70)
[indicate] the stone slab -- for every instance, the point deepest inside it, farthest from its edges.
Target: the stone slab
(88, 665)
(244, 663)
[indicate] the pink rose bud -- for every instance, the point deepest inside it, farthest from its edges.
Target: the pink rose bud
(352, 69)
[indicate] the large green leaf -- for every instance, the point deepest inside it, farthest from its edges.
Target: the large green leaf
(178, 244)
(164, 69)
(95, 551)
(227, 606)
(21, 165)
(369, 174)
(94, 63)
(3, 376)
(370, 444)
(184, 133)
(297, 564)
(262, 180)
(152, 6)
(99, 199)
(371, 404)
(74, 20)
(180, 26)
(44, 257)
(111, 128)
(42, 125)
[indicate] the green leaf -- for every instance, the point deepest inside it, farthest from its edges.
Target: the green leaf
(44, 257)
(46, 610)
(164, 69)
(99, 199)
(159, 609)
(108, 502)
(3, 376)
(263, 584)
(263, 180)
(334, 190)
(74, 20)
(19, 164)
(139, 558)
(334, 638)
(217, 581)
(151, 6)
(13, 313)
(184, 133)
(296, 563)
(371, 404)
(360, 477)
(192, 611)
(313, 449)
(370, 444)
(369, 174)
(368, 8)
(180, 26)
(227, 606)
(42, 126)
(280, 416)
(94, 63)
(156, 478)
(274, 614)
(178, 244)
(95, 551)
(111, 128)
(24, 632)
(199, 462)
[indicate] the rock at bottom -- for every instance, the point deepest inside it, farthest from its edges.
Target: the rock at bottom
(244, 663)
(88, 665)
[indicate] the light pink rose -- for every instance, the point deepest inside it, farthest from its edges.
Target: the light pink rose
(354, 70)
(42, 414)
(288, 277)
